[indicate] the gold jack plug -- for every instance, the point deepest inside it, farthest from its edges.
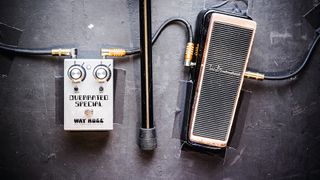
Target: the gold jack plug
(113, 52)
(254, 75)
(188, 54)
(64, 52)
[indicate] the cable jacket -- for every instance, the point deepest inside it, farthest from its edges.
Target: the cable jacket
(270, 76)
(160, 30)
(22, 51)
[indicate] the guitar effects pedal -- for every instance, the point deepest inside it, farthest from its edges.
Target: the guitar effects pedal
(88, 94)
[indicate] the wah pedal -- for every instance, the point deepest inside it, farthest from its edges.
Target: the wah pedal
(221, 64)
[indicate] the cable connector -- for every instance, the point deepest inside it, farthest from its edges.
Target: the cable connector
(188, 54)
(196, 53)
(113, 52)
(65, 52)
(254, 75)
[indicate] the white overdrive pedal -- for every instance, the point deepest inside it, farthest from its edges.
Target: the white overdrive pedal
(88, 94)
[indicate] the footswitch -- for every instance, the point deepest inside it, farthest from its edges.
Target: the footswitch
(88, 94)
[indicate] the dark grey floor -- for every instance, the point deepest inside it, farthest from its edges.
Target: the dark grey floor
(280, 139)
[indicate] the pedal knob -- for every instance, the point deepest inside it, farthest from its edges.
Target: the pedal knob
(76, 73)
(102, 73)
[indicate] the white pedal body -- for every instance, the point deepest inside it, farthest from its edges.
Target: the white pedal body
(88, 94)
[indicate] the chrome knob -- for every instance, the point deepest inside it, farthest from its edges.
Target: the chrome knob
(102, 73)
(76, 73)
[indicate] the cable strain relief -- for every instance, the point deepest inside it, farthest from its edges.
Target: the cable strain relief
(64, 52)
(188, 54)
(113, 52)
(254, 75)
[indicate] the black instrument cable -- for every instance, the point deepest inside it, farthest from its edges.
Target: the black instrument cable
(135, 51)
(169, 22)
(38, 52)
(112, 52)
(268, 76)
(273, 76)
(22, 51)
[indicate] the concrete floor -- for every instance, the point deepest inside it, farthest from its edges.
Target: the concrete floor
(280, 139)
